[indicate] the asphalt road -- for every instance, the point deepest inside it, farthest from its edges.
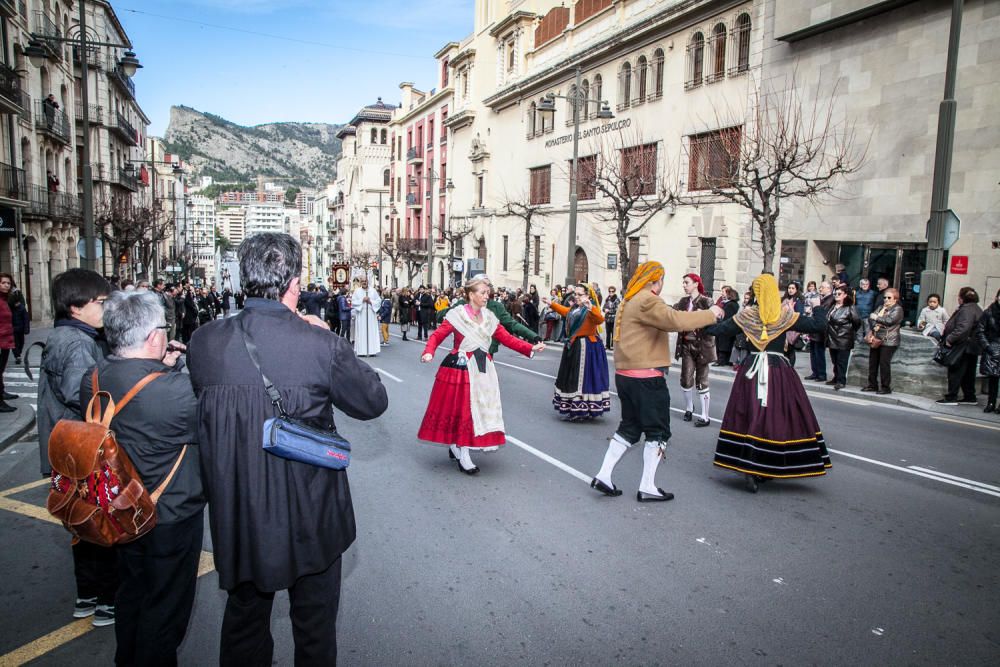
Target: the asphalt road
(890, 559)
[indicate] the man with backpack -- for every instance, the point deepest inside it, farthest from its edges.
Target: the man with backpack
(159, 569)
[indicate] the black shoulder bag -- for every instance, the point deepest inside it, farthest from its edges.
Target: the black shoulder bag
(293, 439)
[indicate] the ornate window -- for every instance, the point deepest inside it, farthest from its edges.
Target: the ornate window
(625, 86)
(718, 52)
(741, 35)
(657, 74)
(598, 90)
(641, 69)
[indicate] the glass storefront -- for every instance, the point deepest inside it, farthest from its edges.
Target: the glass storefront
(899, 263)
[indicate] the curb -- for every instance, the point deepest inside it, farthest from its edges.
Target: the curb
(21, 426)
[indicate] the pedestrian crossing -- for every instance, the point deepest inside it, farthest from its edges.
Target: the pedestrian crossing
(17, 382)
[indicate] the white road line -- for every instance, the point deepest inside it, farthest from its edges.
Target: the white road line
(966, 423)
(548, 459)
(388, 374)
(957, 479)
(935, 477)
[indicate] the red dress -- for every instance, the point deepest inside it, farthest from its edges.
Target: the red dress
(448, 419)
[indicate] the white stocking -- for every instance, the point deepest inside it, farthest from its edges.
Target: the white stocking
(616, 449)
(688, 399)
(705, 400)
(651, 455)
(464, 459)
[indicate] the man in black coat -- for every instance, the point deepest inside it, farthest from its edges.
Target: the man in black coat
(276, 524)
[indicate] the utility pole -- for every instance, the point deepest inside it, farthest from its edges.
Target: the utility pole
(932, 278)
(89, 240)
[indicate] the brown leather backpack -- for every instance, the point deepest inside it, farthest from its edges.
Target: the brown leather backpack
(96, 492)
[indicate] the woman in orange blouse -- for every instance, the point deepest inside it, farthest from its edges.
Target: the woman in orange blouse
(582, 387)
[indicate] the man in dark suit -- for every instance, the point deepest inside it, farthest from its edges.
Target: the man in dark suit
(276, 524)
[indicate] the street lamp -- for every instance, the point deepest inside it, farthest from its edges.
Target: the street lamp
(128, 63)
(580, 103)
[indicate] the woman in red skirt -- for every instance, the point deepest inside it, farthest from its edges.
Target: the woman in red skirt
(464, 408)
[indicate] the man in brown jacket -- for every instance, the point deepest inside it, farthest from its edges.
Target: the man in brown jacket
(642, 355)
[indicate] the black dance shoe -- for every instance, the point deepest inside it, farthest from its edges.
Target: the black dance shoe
(604, 488)
(10, 408)
(644, 497)
(703, 422)
(451, 455)
(7, 396)
(688, 416)
(751, 483)
(990, 408)
(474, 470)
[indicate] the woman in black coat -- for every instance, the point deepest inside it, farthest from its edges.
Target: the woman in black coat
(405, 311)
(988, 337)
(960, 332)
(20, 320)
(724, 343)
(842, 323)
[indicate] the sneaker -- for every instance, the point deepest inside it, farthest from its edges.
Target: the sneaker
(104, 615)
(968, 401)
(84, 607)
(868, 388)
(946, 401)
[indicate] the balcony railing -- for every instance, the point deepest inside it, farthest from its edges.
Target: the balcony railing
(116, 74)
(125, 129)
(51, 121)
(49, 32)
(124, 178)
(414, 156)
(93, 56)
(10, 90)
(56, 205)
(413, 201)
(12, 183)
(95, 113)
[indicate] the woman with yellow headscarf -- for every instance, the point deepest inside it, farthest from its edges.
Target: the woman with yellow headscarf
(769, 430)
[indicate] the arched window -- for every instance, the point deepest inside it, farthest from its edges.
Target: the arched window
(598, 89)
(696, 60)
(385, 178)
(742, 43)
(640, 74)
(532, 115)
(574, 105)
(374, 136)
(625, 86)
(658, 74)
(385, 136)
(718, 51)
(585, 96)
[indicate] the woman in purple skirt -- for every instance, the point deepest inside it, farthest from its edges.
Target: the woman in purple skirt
(769, 430)
(583, 390)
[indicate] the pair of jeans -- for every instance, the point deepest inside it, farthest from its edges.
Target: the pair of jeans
(962, 376)
(817, 359)
(880, 366)
(840, 359)
(314, 601)
(158, 575)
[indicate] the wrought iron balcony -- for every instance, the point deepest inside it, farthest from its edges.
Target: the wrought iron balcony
(10, 90)
(124, 129)
(13, 184)
(95, 113)
(60, 206)
(116, 74)
(414, 156)
(94, 58)
(48, 33)
(413, 201)
(124, 178)
(52, 122)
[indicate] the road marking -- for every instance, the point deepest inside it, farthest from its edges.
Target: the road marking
(388, 375)
(957, 479)
(966, 423)
(936, 477)
(27, 509)
(49, 642)
(548, 459)
(24, 487)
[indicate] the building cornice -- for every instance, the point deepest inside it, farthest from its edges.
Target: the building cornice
(423, 106)
(511, 21)
(675, 18)
(445, 49)
(462, 57)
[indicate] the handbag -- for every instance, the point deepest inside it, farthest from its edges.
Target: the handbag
(872, 338)
(948, 356)
(293, 439)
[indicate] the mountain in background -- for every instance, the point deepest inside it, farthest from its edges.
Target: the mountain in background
(303, 153)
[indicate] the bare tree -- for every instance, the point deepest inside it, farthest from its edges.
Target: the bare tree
(362, 260)
(413, 254)
(626, 174)
(530, 215)
(392, 250)
(786, 148)
(136, 230)
(455, 231)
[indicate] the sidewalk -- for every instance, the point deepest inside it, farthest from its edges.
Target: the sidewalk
(13, 425)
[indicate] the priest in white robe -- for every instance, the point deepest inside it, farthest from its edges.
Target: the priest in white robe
(364, 305)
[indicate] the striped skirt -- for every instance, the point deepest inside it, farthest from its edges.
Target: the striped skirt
(782, 440)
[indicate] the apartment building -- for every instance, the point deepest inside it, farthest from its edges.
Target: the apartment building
(264, 217)
(42, 178)
(232, 223)
(197, 237)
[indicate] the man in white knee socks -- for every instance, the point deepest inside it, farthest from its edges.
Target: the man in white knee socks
(642, 355)
(696, 350)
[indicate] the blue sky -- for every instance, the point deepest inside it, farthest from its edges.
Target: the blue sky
(361, 50)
